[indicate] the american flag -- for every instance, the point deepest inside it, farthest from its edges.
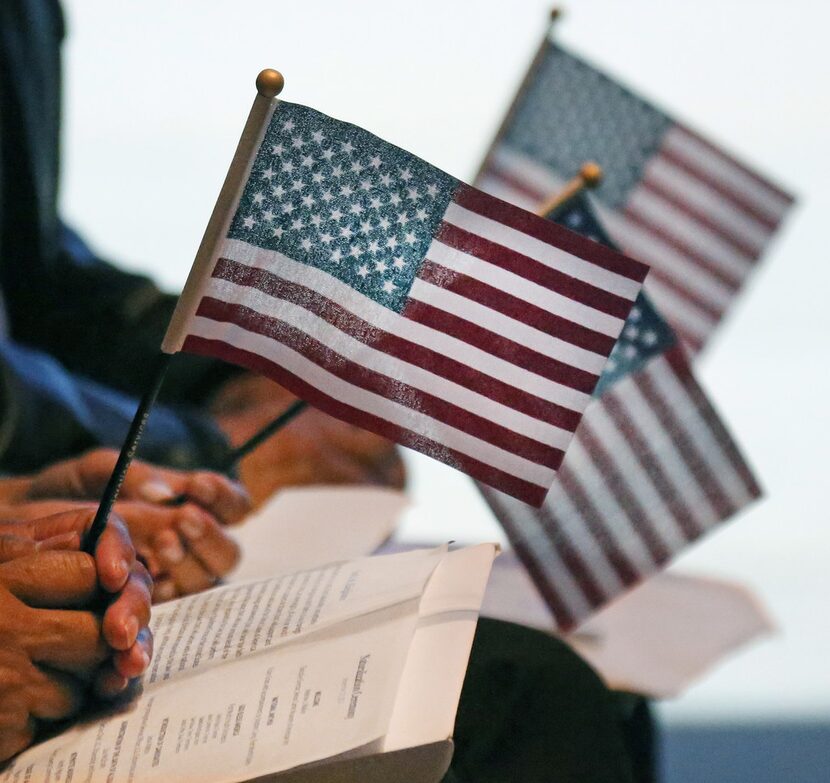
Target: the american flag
(650, 469)
(391, 295)
(695, 214)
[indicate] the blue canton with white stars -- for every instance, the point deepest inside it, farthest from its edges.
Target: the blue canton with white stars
(331, 195)
(645, 334)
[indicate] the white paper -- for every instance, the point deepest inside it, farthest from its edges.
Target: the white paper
(304, 527)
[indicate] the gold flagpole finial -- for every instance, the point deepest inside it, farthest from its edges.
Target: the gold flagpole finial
(590, 175)
(269, 83)
(556, 13)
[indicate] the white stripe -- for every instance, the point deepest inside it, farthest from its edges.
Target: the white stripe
(637, 479)
(684, 227)
(385, 319)
(493, 184)
(524, 289)
(724, 170)
(547, 254)
(372, 403)
(717, 207)
(503, 325)
(652, 250)
(346, 346)
(679, 310)
(695, 425)
(619, 533)
(663, 448)
(529, 172)
(530, 532)
(571, 527)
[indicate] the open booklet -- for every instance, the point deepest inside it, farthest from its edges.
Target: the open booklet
(348, 671)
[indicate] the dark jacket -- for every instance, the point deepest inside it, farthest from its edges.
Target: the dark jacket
(80, 336)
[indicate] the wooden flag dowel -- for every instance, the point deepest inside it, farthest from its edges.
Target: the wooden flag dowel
(590, 175)
(128, 450)
(291, 412)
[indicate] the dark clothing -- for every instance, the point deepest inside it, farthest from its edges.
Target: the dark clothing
(101, 327)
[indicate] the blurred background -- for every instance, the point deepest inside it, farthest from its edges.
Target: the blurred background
(156, 96)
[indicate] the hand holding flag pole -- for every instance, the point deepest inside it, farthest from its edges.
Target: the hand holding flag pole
(269, 84)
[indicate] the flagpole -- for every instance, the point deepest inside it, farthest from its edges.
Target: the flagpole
(589, 176)
(269, 84)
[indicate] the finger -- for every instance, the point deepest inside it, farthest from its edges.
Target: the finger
(214, 549)
(227, 500)
(147, 556)
(55, 696)
(114, 555)
(188, 574)
(52, 579)
(68, 640)
(130, 611)
(134, 662)
(109, 683)
(12, 741)
(164, 589)
(13, 547)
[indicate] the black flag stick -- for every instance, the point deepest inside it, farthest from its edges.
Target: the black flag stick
(266, 432)
(127, 454)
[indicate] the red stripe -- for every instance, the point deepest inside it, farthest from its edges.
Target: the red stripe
(411, 352)
(723, 275)
(726, 235)
(532, 270)
(691, 341)
(516, 183)
(637, 515)
(694, 460)
(675, 283)
(751, 173)
(511, 485)
(500, 346)
(640, 445)
(513, 307)
(550, 233)
(595, 524)
(370, 380)
(680, 366)
(724, 191)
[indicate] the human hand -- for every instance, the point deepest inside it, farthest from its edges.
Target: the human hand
(51, 644)
(313, 449)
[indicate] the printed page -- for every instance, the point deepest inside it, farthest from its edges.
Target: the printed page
(255, 678)
(303, 527)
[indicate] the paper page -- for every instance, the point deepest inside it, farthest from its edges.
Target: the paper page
(290, 670)
(307, 526)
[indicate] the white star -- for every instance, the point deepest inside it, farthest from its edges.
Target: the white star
(326, 196)
(337, 171)
(318, 136)
(336, 255)
(363, 271)
(287, 166)
(355, 251)
(432, 190)
(385, 180)
(631, 332)
(347, 147)
(399, 263)
(384, 223)
(346, 190)
(268, 173)
(297, 223)
(389, 286)
(336, 214)
(409, 238)
(365, 227)
(374, 202)
(406, 175)
(412, 193)
(375, 162)
(610, 365)
(394, 199)
(268, 215)
(278, 191)
(374, 246)
(574, 219)
(277, 149)
(365, 184)
(306, 244)
(346, 231)
(635, 314)
(316, 220)
(392, 242)
(258, 198)
(317, 177)
(297, 185)
(381, 266)
(288, 125)
(288, 208)
(296, 142)
(422, 214)
(630, 351)
(308, 200)
(356, 167)
(327, 154)
(248, 222)
(326, 238)
(278, 232)
(650, 337)
(307, 160)
(402, 219)
(356, 209)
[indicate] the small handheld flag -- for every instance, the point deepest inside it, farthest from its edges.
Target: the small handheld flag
(699, 217)
(391, 295)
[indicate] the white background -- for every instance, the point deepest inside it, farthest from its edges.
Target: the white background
(156, 96)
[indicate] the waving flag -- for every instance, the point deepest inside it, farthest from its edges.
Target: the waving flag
(391, 295)
(695, 214)
(651, 469)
